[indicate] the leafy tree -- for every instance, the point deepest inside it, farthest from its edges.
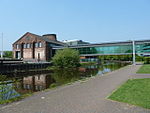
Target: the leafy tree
(8, 54)
(66, 58)
(146, 60)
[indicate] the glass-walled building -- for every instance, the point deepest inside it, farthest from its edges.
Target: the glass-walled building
(142, 48)
(106, 50)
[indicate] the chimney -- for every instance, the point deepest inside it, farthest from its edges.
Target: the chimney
(51, 36)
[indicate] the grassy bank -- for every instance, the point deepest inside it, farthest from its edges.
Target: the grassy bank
(144, 69)
(8, 91)
(134, 91)
(15, 99)
(87, 63)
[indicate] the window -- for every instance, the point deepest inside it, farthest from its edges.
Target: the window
(17, 46)
(36, 44)
(71, 43)
(38, 77)
(39, 44)
(24, 46)
(36, 87)
(28, 86)
(28, 45)
(40, 88)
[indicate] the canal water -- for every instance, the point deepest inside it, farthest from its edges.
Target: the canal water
(17, 85)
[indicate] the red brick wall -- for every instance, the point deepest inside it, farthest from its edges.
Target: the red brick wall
(27, 53)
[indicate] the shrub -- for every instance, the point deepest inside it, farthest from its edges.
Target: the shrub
(139, 58)
(147, 60)
(8, 54)
(116, 57)
(66, 58)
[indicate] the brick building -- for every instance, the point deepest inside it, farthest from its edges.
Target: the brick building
(32, 47)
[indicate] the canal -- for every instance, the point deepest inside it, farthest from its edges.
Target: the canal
(20, 84)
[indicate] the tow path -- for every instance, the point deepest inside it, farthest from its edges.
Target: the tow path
(80, 97)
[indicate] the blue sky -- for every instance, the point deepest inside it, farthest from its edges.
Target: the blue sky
(89, 20)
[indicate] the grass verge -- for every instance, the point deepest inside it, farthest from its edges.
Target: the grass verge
(15, 99)
(134, 91)
(145, 69)
(87, 63)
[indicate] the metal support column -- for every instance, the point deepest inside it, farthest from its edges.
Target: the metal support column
(133, 43)
(2, 47)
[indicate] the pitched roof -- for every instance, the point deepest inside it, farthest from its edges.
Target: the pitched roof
(48, 40)
(42, 38)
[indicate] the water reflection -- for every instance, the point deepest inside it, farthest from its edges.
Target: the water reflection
(38, 82)
(7, 91)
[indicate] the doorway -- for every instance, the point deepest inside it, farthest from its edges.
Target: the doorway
(18, 54)
(38, 57)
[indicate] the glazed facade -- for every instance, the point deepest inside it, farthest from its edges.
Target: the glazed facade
(142, 48)
(123, 49)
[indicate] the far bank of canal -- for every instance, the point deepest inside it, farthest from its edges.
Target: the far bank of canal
(18, 85)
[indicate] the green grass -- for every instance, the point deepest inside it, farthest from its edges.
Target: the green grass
(144, 69)
(15, 99)
(135, 92)
(87, 63)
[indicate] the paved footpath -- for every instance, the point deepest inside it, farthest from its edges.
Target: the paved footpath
(80, 97)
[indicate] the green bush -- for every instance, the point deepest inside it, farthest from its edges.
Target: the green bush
(8, 54)
(139, 58)
(120, 57)
(88, 63)
(116, 57)
(147, 60)
(66, 58)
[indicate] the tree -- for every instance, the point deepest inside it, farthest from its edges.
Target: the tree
(8, 54)
(66, 58)
(146, 60)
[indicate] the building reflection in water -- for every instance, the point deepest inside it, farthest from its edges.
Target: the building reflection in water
(37, 82)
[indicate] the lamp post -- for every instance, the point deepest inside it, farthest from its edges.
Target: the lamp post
(133, 44)
(2, 47)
